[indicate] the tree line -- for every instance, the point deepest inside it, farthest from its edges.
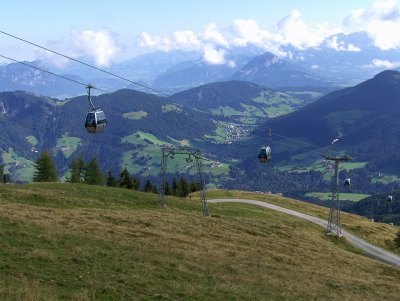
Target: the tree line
(90, 173)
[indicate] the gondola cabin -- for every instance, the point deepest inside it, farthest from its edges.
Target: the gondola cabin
(264, 155)
(347, 182)
(389, 199)
(95, 121)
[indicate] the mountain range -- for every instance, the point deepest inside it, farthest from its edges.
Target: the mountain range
(340, 61)
(227, 120)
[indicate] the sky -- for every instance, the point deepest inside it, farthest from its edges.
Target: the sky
(111, 31)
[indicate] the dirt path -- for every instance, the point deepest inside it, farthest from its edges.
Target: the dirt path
(368, 248)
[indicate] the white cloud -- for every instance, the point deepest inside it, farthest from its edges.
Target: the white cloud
(340, 46)
(296, 32)
(385, 34)
(291, 30)
(148, 41)
(214, 56)
(353, 48)
(378, 63)
(247, 32)
(381, 10)
(101, 45)
(381, 21)
(212, 35)
(186, 38)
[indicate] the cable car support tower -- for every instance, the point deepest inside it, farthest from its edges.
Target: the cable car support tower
(334, 221)
(170, 152)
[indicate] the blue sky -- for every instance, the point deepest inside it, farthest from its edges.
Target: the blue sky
(112, 30)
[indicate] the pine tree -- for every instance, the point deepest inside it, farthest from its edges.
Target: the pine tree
(167, 190)
(111, 180)
(81, 168)
(148, 187)
(46, 170)
(74, 172)
(396, 240)
(154, 189)
(125, 179)
(174, 188)
(93, 174)
(183, 187)
(135, 183)
(1, 173)
(193, 186)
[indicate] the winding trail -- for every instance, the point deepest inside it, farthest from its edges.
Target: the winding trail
(368, 248)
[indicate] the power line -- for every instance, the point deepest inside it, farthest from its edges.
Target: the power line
(299, 141)
(52, 73)
(298, 147)
(302, 142)
(83, 63)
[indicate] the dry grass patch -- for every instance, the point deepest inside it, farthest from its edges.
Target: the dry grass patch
(380, 234)
(128, 248)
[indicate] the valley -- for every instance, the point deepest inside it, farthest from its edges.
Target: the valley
(200, 150)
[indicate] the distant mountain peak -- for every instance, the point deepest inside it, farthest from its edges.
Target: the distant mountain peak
(388, 75)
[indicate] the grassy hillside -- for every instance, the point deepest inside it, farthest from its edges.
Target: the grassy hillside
(79, 242)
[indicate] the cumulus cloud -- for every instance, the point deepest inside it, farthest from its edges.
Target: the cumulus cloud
(101, 45)
(381, 21)
(378, 63)
(381, 10)
(290, 30)
(340, 46)
(187, 38)
(214, 56)
(385, 34)
(248, 32)
(212, 35)
(296, 32)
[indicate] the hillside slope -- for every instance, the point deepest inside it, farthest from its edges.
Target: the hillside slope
(268, 70)
(363, 117)
(63, 241)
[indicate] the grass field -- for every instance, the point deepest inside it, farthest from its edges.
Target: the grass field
(355, 197)
(32, 140)
(68, 145)
(81, 242)
(146, 157)
(385, 179)
(135, 115)
(22, 169)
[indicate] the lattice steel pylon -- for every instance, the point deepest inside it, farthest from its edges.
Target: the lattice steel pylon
(334, 220)
(169, 152)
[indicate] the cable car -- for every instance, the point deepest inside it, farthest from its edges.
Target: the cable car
(347, 182)
(389, 199)
(95, 121)
(264, 155)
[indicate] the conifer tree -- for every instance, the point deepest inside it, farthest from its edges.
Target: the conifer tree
(167, 190)
(46, 170)
(1, 173)
(125, 179)
(154, 189)
(193, 186)
(183, 187)
(135, 183)
(74, 177)
(110, 181)
(77, 170)
(174, 188)
(148, 187)
(81, 168)
(93, 174)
